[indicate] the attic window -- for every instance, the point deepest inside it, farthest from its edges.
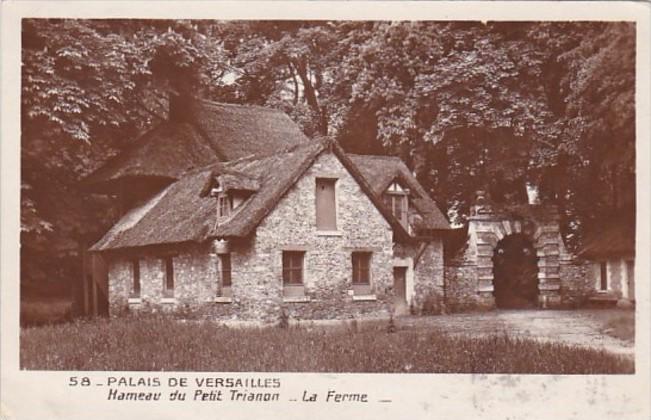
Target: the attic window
(396, 198)
(224, 205)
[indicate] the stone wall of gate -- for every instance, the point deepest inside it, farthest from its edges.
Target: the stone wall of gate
(469, 273)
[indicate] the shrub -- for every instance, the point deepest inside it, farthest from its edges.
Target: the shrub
(41, 312)
(431, 305)
(283, 319)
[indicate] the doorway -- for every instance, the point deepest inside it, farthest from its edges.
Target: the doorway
(400, 290)
(515, 273)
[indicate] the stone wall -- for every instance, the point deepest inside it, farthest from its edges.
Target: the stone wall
(195, 284)
(461, 290)
(327, 261)
(429, 279)
(577, 284)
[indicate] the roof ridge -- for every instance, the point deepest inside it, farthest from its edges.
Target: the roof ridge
(375, 156)
(242, 106)
(254, 156)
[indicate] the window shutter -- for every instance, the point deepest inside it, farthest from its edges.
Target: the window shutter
(361, 267)
(226, 269)
(169, 273)
(326, 211)
(136, 278)
(293, 267)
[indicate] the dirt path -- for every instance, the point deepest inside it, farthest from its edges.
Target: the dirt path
(581, 328)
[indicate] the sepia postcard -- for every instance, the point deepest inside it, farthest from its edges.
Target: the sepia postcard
(291, 209)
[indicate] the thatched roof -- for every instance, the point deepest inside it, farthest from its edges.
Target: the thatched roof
(381, 171)
(214, 132)
(184, 213)
(177, 214)
(234, 181)
(616, 240)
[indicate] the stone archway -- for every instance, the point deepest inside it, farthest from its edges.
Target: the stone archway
(472, 274)
(515, 273)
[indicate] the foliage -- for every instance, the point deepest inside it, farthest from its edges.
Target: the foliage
(160, 343)
(468, 105)
(45, 311)
(87, 88)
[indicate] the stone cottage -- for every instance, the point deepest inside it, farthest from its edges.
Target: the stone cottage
(611, 268)
(231, 212)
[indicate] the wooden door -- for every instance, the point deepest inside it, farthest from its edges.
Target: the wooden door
(400, 290)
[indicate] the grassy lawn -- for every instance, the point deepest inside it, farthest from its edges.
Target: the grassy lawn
(161, 343)
(618, 324)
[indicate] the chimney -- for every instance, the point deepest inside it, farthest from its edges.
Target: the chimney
(533, 194)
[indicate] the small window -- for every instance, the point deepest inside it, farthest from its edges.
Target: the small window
(169, 277)
(225, 274)
(226, 269)
(135, 268)
(326, 206)
(293, 267)
(603, 276)
(398, 204)
(225, 205)
(361, 268)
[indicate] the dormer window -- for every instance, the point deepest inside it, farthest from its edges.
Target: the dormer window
(225, 205)
(396, 198)
(231, 190)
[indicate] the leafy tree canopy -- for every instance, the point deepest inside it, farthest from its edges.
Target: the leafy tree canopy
(468, 105)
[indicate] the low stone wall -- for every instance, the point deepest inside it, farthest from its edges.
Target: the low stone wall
(576, 283)
(461, 290)
(429, 280)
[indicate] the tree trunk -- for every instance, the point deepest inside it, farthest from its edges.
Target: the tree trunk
(309, 92)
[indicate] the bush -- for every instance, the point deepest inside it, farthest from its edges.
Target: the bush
(432, 305)
(41, 312)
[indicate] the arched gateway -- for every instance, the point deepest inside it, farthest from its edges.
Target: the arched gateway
(513, 258)
(515, 273)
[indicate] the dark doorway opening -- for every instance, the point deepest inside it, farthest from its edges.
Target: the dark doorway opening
(515, 273)
(400, 289)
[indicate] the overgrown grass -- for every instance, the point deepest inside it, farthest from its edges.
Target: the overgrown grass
(620, 325)
(160, 343)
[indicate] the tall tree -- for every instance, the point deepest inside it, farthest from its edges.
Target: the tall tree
(88, 86)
